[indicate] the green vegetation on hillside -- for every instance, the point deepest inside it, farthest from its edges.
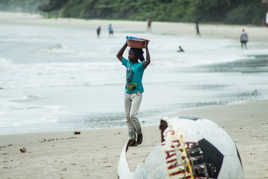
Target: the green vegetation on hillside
(215, 11)
(22, 5)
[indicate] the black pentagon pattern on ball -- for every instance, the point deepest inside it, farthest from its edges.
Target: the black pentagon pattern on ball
(212, 156)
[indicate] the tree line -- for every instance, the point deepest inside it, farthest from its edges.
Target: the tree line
(22, 5)
(206, 11)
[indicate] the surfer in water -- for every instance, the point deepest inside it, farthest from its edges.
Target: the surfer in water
(180, 49)
(135, 65)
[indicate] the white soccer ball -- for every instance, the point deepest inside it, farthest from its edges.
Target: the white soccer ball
(192, 148)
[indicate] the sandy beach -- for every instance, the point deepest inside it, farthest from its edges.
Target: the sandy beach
(94, 154)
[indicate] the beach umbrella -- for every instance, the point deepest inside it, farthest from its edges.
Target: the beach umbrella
(191, 148)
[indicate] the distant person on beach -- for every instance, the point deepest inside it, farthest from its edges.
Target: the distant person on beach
(149, 23)
(110, 30)
(135, 66)
(244, 39)
(98, 31)
(197, 27)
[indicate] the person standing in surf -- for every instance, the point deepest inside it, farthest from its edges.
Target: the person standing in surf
(110, 30)
(98, 30)
(149, 23)
(244, 39)
(135, 65)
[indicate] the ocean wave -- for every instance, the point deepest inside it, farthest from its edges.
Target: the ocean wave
(247, 64)
(244, 95)
(4, 61)
(27, 98)
(59, 49)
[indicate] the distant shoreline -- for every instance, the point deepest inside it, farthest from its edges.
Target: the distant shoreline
(169, 28)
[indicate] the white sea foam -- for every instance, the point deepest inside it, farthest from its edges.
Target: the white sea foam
(4, 63)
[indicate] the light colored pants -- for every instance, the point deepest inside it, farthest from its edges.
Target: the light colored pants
(132, 105)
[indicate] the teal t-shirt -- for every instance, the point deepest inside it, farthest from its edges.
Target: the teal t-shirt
(133, 76)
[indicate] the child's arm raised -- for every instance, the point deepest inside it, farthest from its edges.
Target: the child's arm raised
(121, 51)
(148, 59)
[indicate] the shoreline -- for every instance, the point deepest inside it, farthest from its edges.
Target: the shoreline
(221, 31)
(95, 153)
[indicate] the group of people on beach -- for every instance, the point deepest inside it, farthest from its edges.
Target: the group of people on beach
(110, 30)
